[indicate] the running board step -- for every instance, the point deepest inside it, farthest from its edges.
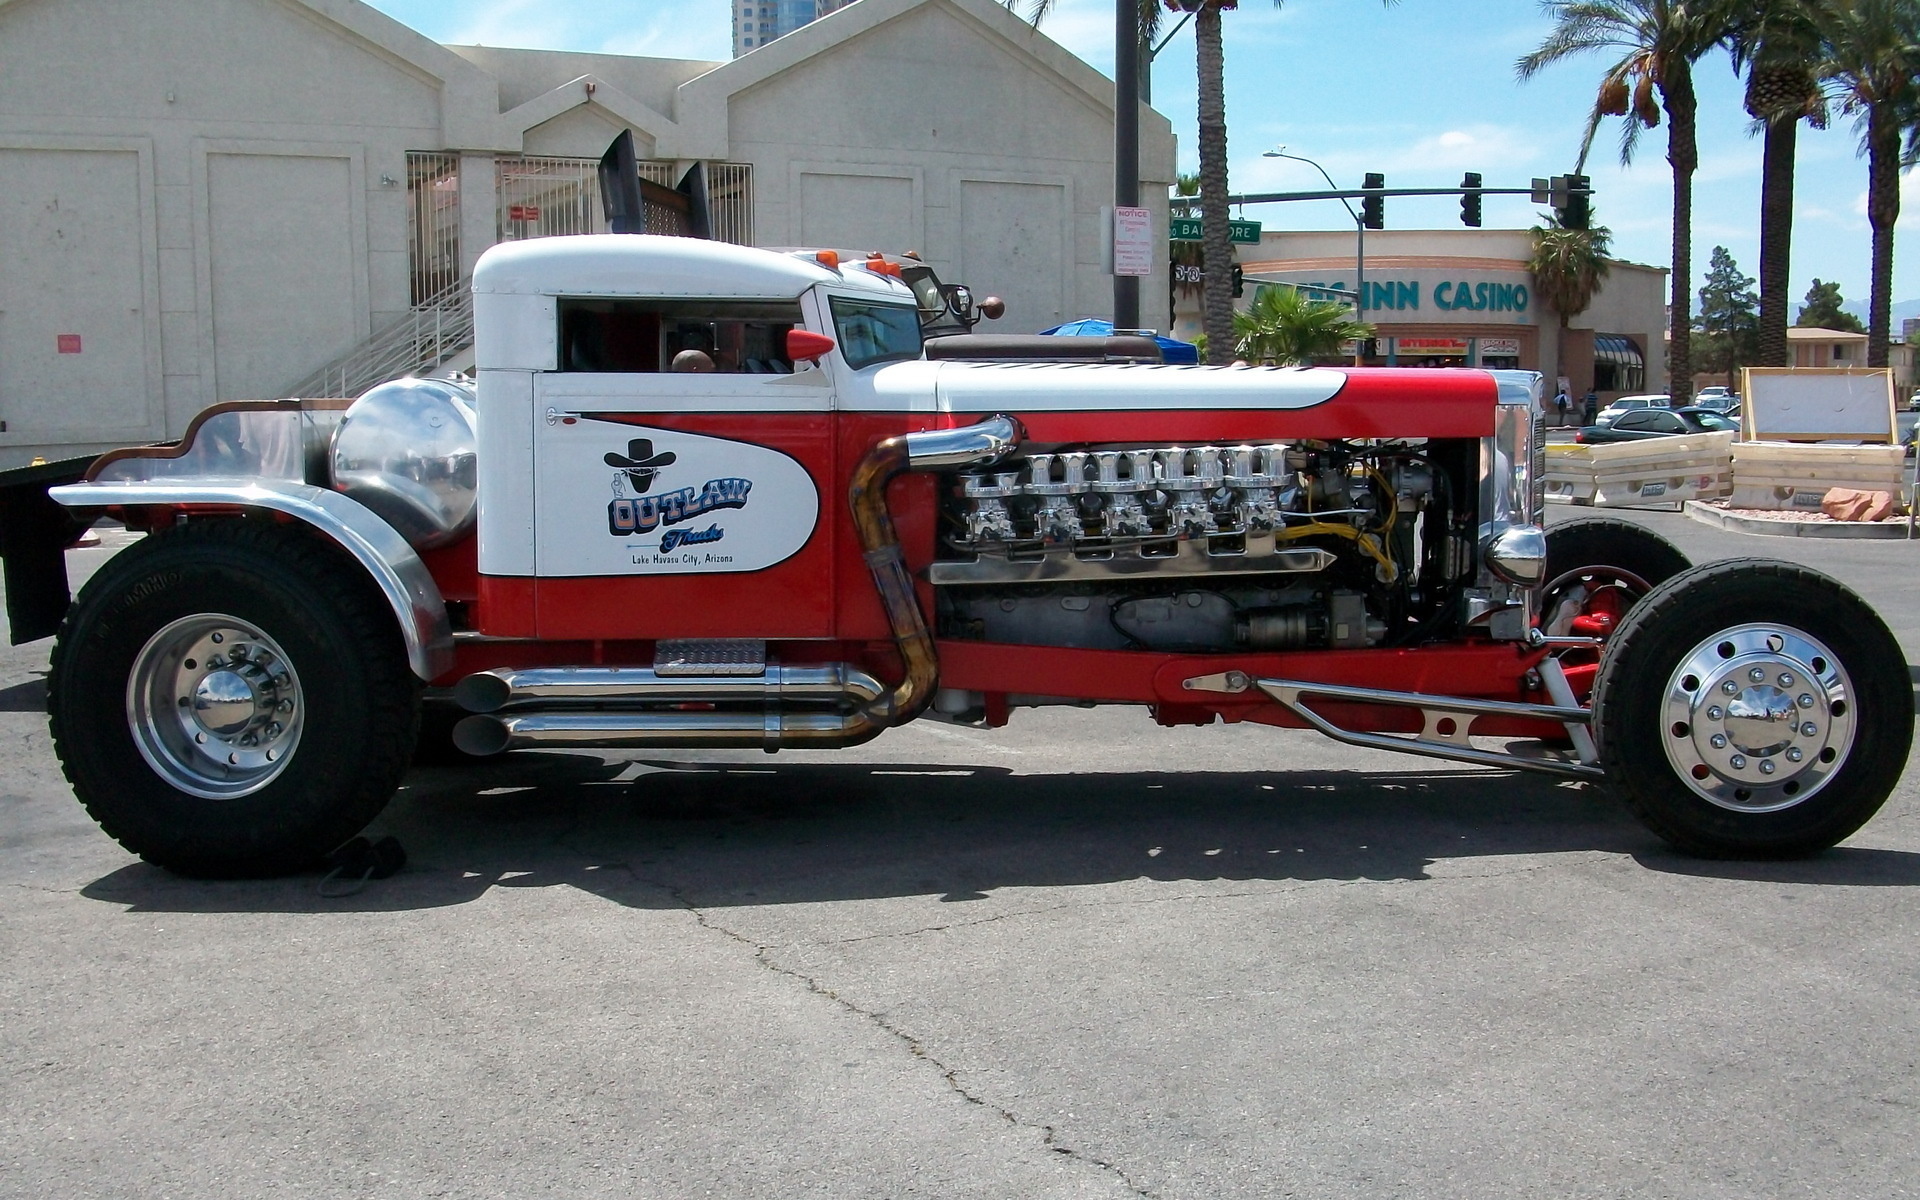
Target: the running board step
(680, 657)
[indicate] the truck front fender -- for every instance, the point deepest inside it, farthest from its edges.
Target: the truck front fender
(400, 574)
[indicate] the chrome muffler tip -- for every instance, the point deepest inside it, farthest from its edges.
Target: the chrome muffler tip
(480, 736)
(484, 692)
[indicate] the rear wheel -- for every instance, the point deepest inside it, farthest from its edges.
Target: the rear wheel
(1753, 709)
(231, 697)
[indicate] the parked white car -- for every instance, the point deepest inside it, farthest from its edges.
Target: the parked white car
(1626, 404)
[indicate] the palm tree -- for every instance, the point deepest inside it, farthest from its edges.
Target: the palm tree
(1659, 41)
(1186, 195)
(1777, 42)
(1871, 60)
(1283, 327)
(1216, 241)
(1568, 266)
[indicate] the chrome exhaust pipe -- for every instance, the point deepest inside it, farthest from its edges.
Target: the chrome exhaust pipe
(492, 733)
(555, 687)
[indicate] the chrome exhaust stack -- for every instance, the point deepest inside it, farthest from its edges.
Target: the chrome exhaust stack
(769, 730)
(495, 691)
(628, 707)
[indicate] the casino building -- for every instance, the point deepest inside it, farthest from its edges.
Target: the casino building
(1464, 297)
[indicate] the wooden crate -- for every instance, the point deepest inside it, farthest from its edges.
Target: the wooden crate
(1785, 475)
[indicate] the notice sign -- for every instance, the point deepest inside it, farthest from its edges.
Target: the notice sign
(1132, 241)
(67, 343)
(523, 212)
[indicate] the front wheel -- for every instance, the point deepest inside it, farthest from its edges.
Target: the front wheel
(1753, 709)
(231, 697)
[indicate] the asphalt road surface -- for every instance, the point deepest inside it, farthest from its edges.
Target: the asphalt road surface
(1082, 956)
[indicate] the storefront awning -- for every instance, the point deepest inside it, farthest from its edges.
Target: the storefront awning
(1617, 348)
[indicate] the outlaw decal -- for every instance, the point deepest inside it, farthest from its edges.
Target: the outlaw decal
(643, 513)
(681, 502)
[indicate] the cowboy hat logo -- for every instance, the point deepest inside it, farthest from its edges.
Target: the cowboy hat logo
(639, 464)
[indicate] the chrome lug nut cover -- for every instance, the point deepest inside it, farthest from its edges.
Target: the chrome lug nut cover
(1729, 711)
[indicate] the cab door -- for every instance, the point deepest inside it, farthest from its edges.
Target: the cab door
(682, 503)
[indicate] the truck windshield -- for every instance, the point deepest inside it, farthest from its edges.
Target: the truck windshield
(875, 333)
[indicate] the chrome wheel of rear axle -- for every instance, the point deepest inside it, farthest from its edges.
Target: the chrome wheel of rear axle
(214, 706)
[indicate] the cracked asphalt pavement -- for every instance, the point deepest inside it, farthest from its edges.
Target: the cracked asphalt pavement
(1081, 956)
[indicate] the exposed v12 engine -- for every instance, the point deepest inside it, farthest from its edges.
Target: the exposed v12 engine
(1201, 548)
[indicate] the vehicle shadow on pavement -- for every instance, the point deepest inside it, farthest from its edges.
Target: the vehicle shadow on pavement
(720, 833)
(28, 697)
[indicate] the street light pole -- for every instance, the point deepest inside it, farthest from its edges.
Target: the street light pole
(1359, 245)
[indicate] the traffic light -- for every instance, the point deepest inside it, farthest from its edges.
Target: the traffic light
(1239, 281)
(1578, 210)
(1373, 209)
(1470, 199)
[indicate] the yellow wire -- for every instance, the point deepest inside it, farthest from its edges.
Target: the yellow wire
(1366, 542)
(1393, 503)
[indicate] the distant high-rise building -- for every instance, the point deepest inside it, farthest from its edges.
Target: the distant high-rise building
(757, 22)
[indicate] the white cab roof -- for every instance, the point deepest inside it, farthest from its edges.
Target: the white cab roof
(621, 264)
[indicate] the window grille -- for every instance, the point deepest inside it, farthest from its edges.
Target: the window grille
(730, 202)
(544, 197)
(433, 224)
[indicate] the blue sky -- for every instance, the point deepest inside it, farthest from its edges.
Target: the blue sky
(1420, 91)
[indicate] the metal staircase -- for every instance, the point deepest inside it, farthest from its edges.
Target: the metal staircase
(431, 333)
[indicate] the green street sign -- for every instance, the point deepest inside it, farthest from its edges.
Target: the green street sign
(1245, 233)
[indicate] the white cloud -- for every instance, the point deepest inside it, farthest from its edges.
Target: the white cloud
(515, 23)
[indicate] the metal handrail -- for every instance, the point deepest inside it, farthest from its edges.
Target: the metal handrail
(430, 333)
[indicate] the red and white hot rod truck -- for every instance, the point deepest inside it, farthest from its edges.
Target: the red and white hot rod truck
(837, 529)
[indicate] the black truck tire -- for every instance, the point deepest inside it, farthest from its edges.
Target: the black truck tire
(1753, 709)
(1592, 554)
(232, 698)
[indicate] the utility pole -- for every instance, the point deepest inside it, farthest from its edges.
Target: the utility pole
(1126, 144)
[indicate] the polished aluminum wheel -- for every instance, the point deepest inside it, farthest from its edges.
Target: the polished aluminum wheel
(214, 706)
(1758, 717)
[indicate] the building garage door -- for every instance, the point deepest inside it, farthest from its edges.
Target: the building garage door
(1013, 245)
(73, 349)
(858, 212)
(283, 265)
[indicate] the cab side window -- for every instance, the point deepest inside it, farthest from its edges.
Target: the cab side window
(654, 336)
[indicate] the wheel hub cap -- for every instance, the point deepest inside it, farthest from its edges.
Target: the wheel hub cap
(1758, 717)
(214, 706)
(227, 702)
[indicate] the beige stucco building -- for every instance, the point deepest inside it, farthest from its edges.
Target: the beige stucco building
(1464, 297)
(207, 200)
